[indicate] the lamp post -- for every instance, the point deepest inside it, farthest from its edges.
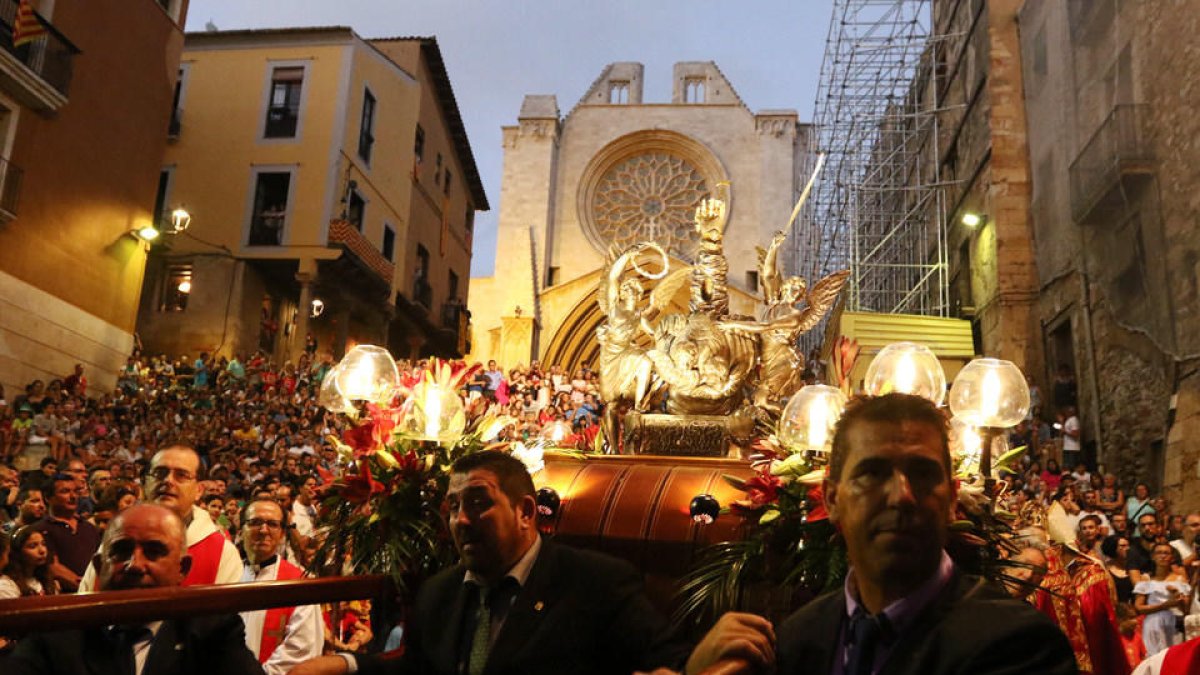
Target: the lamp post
(990, 395)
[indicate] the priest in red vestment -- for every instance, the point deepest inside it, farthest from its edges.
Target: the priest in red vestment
(281, 637)
(174, 482)
(1096, 594)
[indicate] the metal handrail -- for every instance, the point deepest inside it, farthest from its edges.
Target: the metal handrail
(85, 610)
(1120, 138)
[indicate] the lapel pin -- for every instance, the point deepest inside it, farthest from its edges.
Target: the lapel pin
(537, 606)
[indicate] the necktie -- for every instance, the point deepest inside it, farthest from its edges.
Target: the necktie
(482, 636)
(865, 633)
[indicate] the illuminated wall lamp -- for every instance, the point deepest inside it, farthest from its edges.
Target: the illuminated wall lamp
(318, 308)
(972, 219)
(180, 219)
(146, 233)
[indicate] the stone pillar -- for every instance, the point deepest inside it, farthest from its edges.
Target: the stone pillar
(306, 277)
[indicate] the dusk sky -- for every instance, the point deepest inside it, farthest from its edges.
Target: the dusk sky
(496, 51)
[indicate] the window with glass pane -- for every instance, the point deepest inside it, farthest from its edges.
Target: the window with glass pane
(283, 110)
(389, 242)
(366, 132)
(176, 288)
(270, 208)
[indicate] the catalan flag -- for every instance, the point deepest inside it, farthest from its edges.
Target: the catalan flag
(26, 26)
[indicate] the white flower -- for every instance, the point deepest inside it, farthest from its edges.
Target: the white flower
(530, 456)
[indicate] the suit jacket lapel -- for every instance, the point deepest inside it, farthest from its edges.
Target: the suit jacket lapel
(831, 632)
(535, 600)
(164, 657)
(445, 639)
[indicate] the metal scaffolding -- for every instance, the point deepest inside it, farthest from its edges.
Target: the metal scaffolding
(878, 206)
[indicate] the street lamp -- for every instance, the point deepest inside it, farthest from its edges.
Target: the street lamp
(180, 219)
(971, 219)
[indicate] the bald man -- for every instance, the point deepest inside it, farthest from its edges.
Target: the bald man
(143, 547)
(173, 482)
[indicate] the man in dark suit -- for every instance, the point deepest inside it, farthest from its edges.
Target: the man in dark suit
(143, 548)
(518, 604)
(905, 608)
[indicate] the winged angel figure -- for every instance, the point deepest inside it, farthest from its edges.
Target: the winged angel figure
(627, 379)
(783, 321)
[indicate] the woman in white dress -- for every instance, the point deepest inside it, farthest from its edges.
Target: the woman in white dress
(1161, 598)
(28, 568)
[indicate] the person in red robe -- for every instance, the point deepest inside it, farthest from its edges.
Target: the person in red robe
(1057, 600)
(1182, 658)
(1096, 594)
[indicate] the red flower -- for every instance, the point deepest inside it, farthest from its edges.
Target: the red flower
(763, 488)
(383, 422)
(816, 496)
(361, 437)
(360, 486)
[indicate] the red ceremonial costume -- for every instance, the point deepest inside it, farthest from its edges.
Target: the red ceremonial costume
(1056, 599)
(1097, 596)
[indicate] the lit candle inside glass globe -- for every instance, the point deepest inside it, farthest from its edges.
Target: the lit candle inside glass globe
(433, 411)
(991, 395)
(907, 368)
(365, 373)
(808, 420)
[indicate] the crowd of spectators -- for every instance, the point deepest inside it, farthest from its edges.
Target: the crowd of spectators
(261, 434)
(72, 458)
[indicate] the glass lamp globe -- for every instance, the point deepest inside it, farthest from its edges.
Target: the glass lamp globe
(808, 420)
(366, 373)
(329, 398)
(966, 445)
(990, 393)
(556, 433)
(907, 368)
(433, 413)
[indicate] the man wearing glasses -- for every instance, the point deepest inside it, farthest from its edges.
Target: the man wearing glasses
(173, 482)
(280, 637)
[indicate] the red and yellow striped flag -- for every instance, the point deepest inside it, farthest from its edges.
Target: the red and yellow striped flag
(26, 27)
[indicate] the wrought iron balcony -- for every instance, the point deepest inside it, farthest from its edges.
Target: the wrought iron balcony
(1117, 156)
(38, 73)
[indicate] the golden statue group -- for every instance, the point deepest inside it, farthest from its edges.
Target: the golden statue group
(706, 365)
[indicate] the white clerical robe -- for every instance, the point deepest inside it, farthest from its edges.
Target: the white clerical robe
(302, 639)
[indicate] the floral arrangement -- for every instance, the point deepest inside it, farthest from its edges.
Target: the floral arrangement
(384, 515)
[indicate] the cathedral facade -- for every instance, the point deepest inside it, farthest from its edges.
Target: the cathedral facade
(615, 171)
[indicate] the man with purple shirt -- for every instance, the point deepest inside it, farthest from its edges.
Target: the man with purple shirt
(905, 608)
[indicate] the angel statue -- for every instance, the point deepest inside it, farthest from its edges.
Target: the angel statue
(710, 293)
(704, 367)
(782, 323)
(626, 372)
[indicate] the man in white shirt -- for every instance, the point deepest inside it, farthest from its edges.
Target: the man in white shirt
(280, 637)
(1071, 437)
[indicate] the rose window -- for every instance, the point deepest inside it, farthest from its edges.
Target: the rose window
(649, 197)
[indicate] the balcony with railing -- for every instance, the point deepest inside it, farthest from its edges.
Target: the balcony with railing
(1118, 157)
(36, 73)
(361, 252)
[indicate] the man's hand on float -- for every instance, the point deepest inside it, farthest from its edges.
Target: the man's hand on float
(736, 635)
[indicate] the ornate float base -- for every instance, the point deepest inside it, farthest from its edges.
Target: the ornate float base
(677, 435)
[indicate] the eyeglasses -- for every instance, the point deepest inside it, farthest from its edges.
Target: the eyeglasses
(255, 523)
(180, 475)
